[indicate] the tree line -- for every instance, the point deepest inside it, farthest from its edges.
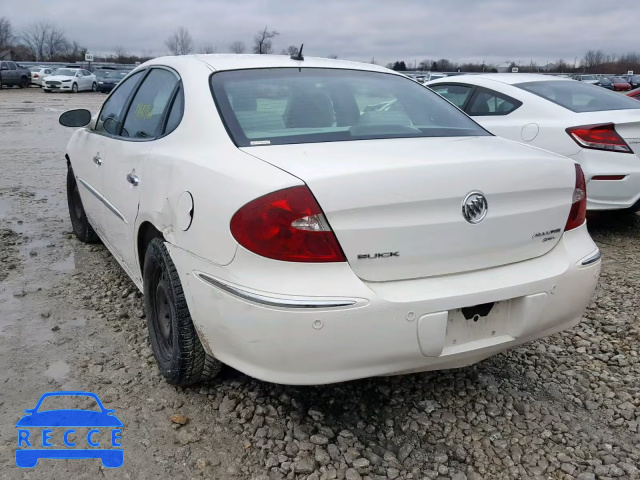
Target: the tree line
(594, 61)
(44, 41)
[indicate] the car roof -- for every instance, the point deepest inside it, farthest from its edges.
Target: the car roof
(243, 61)
(506, 78)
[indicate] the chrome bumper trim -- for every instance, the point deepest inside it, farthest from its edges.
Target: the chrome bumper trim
(274, 301)
(592, 259)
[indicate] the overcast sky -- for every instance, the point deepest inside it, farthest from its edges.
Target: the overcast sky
(495, 31)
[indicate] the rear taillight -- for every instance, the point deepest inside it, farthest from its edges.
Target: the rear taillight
(287, 225)
(578, 212)
(35, 75)
(599, 137)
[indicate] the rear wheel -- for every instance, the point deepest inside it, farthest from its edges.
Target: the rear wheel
(24, 82)
(81, 226)
(74, 88)
(94, 87)
(176, 346)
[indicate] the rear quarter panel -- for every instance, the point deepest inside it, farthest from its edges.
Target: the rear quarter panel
(200, 158)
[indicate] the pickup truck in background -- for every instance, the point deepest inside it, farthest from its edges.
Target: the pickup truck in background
(11, 74)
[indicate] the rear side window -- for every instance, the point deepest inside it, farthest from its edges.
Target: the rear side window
(579, 97)
(488, 102)
(111, 115)
(456, 94)
(149, 104)
(175, 115)
(308, 105)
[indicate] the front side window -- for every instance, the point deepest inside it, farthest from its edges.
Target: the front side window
(456, 94)
(579, 97)
(149, 104)
(488, 102)
(308, 105)
(12, 66)
(111, 115)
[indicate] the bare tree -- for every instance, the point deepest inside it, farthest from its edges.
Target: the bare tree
(262, 42)
(180, 42)
(291, 50)
(45, 40)
(208, 48)
(593, 58)
(237, 47)
(6, 33)
(120, 54)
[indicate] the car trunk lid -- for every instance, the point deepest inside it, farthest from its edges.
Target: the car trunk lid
(396, 205)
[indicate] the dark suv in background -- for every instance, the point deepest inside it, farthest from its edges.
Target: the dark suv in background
(11, 74)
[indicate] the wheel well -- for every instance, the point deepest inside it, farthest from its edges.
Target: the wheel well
(146, 233)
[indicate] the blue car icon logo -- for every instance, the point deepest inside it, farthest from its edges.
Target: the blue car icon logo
(39, 429)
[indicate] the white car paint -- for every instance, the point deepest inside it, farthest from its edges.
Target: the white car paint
(400, 314)
(64, 79)
(542, 123)
(38, 74)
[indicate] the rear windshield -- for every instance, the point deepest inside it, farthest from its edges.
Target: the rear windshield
(117, 74)
(309, 105)
(580, 97)
(588, 77)
(65, 72)
(618, 80)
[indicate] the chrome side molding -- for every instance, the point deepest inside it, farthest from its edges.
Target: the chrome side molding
(101, 197)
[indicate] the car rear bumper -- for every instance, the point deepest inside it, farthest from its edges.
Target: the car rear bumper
(610, 194)
(383, 328)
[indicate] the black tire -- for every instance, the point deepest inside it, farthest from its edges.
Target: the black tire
(74, 88)
(81, 226)
(175, 343)
(94, 87)
(24, 82)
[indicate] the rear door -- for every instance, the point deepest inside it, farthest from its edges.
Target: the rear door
(128, 154)
(93, 151)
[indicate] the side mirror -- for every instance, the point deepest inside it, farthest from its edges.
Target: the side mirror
(75, 118)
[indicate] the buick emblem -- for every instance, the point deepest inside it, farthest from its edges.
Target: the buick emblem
(474, 207)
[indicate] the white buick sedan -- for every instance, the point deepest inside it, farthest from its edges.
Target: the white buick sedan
(280, 221)
(597, 128)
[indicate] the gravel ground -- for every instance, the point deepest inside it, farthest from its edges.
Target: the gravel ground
(561, 408)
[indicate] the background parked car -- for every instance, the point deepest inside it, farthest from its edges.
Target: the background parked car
(38, 74)
(605, 82)
(596, 128)
(592, 79)
(633, 80)
(109, 82)
(70, 80)
(635, 93)
(620, 84)
(12, 74)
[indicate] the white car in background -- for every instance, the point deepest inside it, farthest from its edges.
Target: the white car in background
(70, 80)
(38, 74)
(280, 222)
(597, 128)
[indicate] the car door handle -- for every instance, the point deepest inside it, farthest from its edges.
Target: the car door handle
(133, 179)
(97, 160)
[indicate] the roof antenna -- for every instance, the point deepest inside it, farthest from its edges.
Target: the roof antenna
(298, 56)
